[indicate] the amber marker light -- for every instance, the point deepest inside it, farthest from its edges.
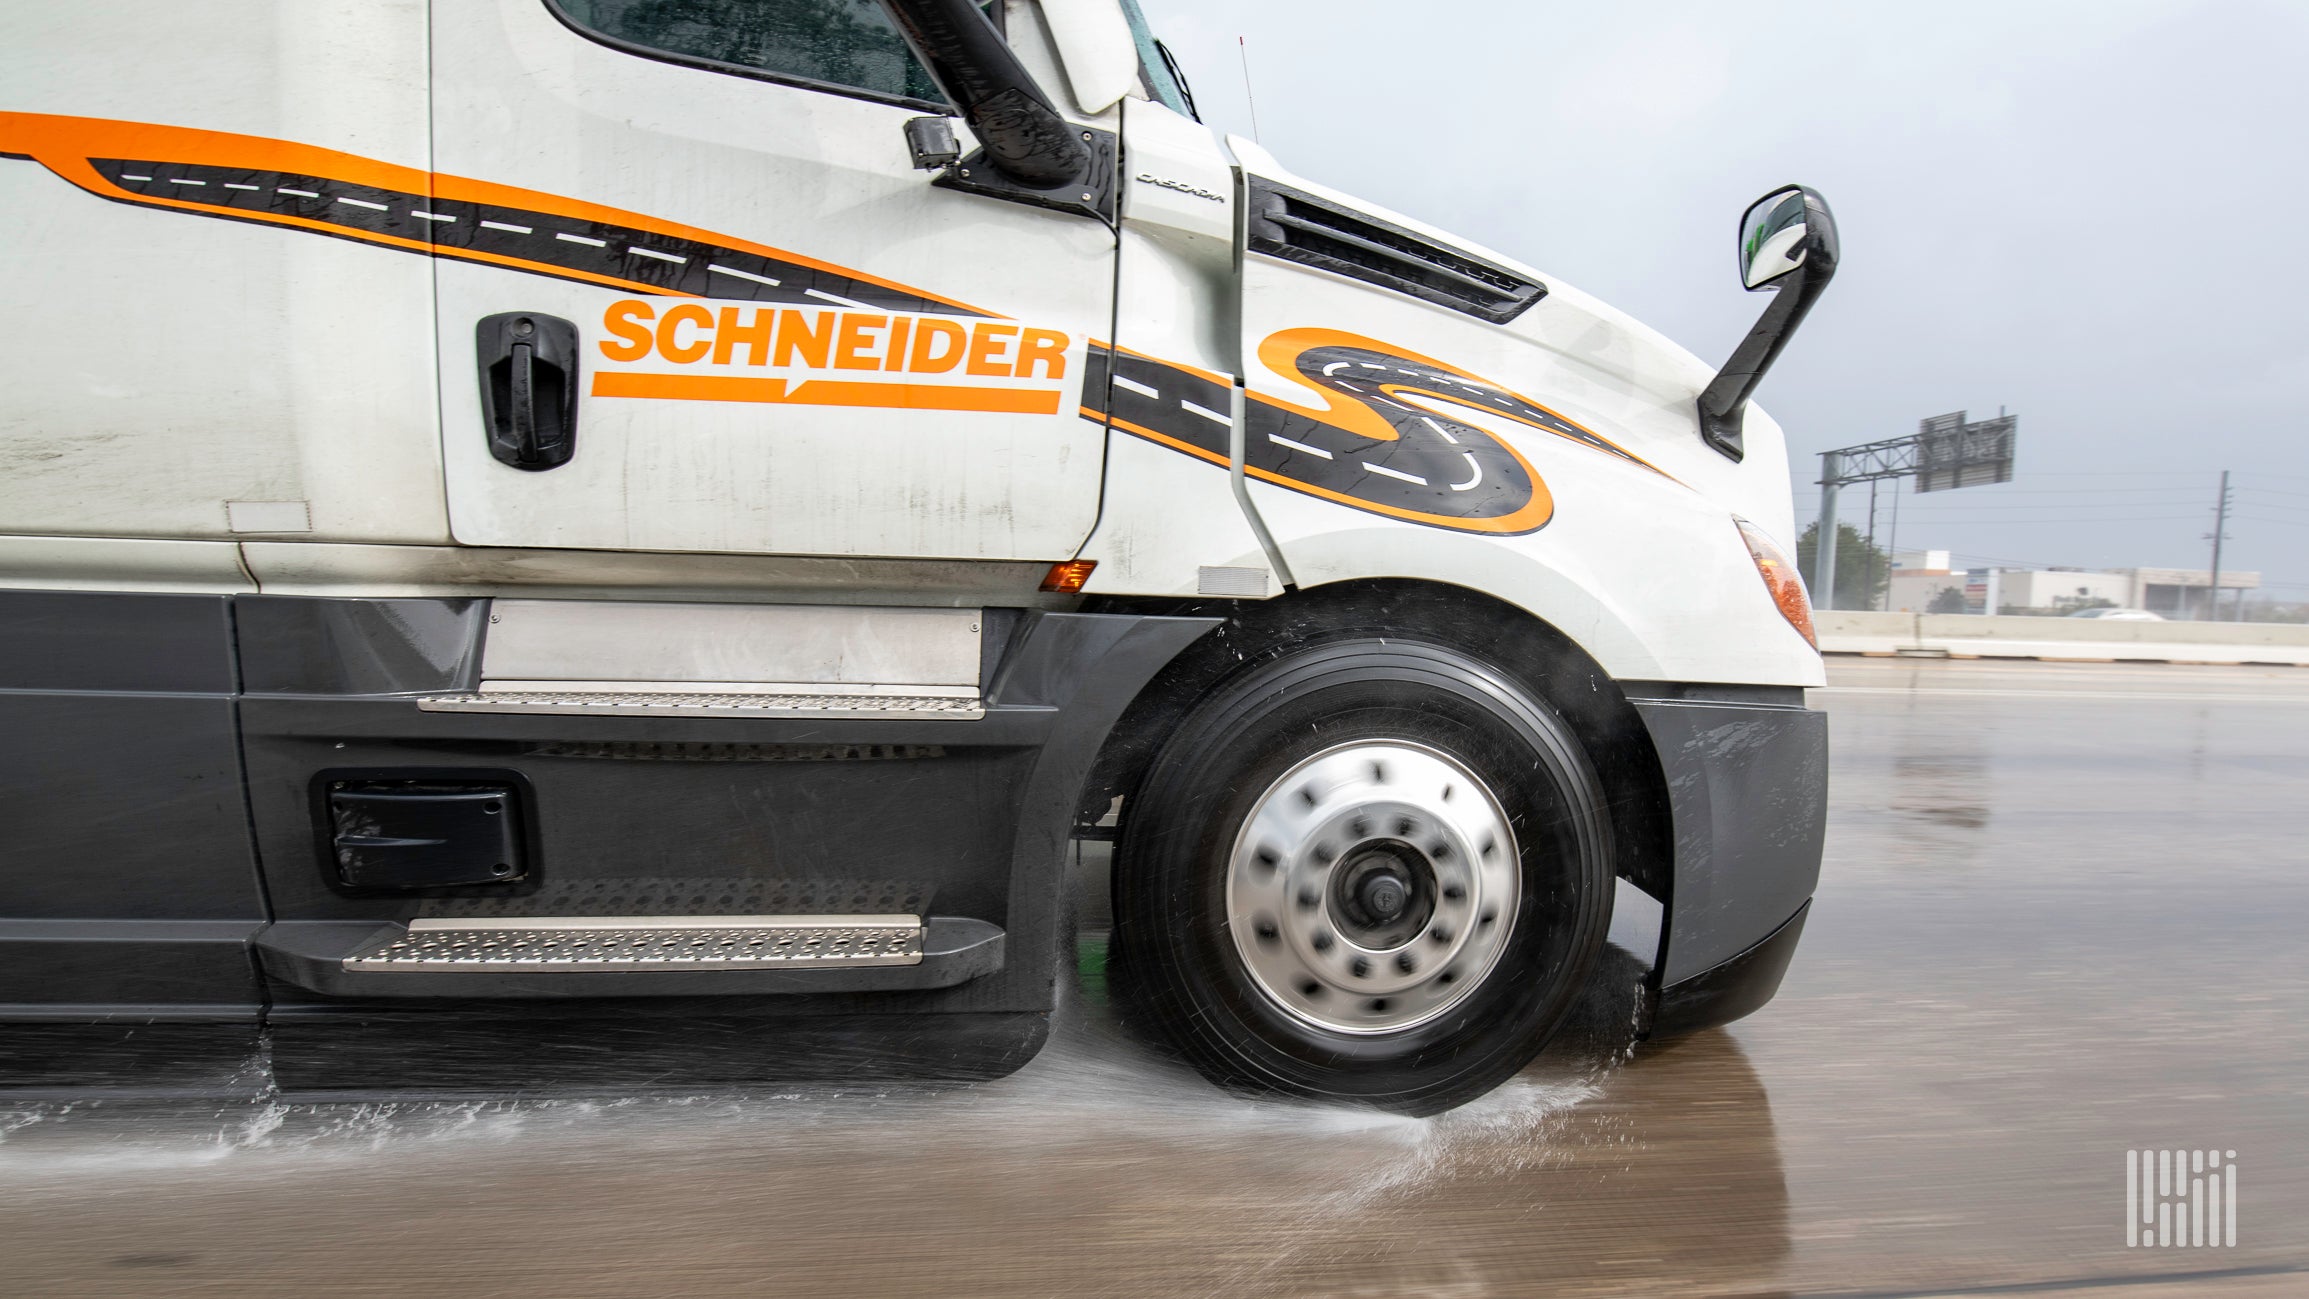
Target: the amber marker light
(1780, 578)
(1067, 576)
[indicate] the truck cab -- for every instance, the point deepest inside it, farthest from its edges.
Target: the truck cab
(607, 528)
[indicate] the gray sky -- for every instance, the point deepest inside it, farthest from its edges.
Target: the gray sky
(2090, 213)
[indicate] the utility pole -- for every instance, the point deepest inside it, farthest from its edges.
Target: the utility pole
(1824, 541)
(1868, 573)
(2220, 534)
(1892, 545)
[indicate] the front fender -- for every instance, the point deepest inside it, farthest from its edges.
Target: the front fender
(1654, 585)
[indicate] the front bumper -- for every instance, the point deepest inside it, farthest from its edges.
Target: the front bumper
(1746, 772)
(1728, 991)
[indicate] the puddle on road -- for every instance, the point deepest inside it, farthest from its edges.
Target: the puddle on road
(1092, 1086)
(1101, 1167)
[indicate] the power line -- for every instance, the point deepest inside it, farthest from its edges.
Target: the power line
(2100, 504)
(2160, 496)
(2040, 507)
(2068, 498)
(1974, 520)
(2021, 563)
(2085, 491)
(2037, 475)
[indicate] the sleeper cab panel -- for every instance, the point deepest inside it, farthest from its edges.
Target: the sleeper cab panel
(674, 815)
(126, 880)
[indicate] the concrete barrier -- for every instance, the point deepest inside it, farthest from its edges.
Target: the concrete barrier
(2076, 640)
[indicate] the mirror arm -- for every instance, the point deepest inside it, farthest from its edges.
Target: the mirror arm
(1724, 402)
(1024, 137)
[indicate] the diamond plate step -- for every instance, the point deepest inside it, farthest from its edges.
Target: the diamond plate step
(598, 703)
(635, 943)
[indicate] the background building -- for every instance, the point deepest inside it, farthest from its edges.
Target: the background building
(1919, 577)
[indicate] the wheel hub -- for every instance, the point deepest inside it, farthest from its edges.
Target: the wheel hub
(1372, 887)
(1383, 892)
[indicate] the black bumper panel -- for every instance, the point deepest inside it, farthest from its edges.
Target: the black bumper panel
(626, 1045)
(1738, 987)
(1747, 785)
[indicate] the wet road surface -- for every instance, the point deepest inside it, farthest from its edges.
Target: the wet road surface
(2063, 916)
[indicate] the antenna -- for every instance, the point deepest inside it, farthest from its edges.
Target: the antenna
(1244, 49)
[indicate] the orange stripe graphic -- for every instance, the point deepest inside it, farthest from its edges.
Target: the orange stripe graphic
(65, 146)
(1280, 351)
(825, 392)
(1532, 517)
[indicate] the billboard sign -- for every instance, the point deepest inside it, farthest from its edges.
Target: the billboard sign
(1952, 451)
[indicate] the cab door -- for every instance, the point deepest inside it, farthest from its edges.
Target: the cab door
(694, 296)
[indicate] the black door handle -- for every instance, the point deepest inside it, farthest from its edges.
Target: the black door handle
(528, 388)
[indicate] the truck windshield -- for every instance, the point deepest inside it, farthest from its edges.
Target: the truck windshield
(1157, 68)
(846, 43)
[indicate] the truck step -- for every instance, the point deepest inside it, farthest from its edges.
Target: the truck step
(619, 943)
(497, 957)
(960, 707)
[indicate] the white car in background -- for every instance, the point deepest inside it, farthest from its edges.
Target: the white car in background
(2119, 615)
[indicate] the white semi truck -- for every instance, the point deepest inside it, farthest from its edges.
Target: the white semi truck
(540, 536)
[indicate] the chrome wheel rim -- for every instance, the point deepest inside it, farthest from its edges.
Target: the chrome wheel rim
(1372, 887)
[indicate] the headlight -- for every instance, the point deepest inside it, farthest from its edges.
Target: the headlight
(1781, 579)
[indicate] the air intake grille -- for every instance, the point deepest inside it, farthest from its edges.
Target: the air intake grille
(1299, 227)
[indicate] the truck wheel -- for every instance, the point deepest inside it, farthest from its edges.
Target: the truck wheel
(1372, 871)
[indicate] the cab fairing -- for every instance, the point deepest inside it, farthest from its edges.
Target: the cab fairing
(1639, 561)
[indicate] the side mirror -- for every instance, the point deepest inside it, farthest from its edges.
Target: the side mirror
(1772, 236)
(1788, 244)
(1022, 136)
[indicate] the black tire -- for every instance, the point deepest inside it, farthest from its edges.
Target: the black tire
(1180, 970)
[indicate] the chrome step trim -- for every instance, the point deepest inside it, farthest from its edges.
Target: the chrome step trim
(954, 708)
(558, 944)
